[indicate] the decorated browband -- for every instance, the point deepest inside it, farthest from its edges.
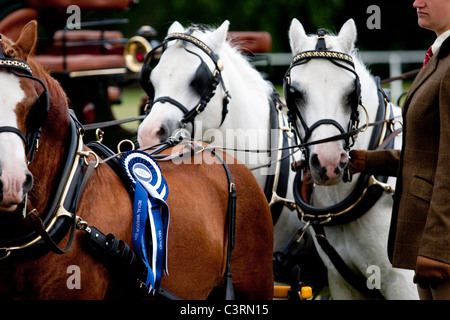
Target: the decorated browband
(11, 63)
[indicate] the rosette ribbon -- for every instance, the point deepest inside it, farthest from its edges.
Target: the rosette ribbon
(150, 214)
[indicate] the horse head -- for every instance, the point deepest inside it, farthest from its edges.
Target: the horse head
(18, 95)
(323, 93)
(183, 83)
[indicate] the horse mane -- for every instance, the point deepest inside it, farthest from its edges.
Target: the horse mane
(57, 95)
(242, 63)
(231, 49)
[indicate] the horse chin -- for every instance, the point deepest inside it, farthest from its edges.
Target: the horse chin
(13, 208)
(327, 183)
(8, 208)
(325, 180)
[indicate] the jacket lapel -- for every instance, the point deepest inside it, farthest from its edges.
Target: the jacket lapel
(427, 71)
(421, 77)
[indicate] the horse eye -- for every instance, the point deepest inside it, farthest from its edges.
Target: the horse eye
(351, 99)
(298, 95)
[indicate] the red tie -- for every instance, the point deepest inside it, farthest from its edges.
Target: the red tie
(428, 56)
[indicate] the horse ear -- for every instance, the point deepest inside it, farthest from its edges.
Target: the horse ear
(219, 36)
(25, 44)
(297, 35)
(176, 27)
(348, 35)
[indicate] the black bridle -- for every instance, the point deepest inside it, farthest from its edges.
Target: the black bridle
(39, 111)
(205, 82)
(365, 194)
(336, 58)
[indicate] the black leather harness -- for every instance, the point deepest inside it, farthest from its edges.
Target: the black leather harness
(277, 181)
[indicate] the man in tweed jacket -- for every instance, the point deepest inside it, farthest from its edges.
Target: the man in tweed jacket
(420, 228)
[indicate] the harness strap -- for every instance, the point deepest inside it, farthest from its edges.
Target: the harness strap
(231, 214)
(117, 254)
(357, 282)
(321, 46)
(110, 123)
(39, 226)
(276, 184)
(174, 102)
(14, 130)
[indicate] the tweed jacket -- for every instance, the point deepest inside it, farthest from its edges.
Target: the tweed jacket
(420, 222)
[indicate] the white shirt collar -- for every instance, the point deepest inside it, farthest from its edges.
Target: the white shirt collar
(438, 42)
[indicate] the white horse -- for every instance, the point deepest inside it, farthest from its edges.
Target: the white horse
(174, 85)
(325, 88)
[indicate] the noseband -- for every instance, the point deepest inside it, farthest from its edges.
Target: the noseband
(205, 82)
(38, 112)
(336, 58)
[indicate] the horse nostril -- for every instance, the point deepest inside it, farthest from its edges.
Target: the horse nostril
(28, 184)
(163, 133)
(344, 160)
(314, 161)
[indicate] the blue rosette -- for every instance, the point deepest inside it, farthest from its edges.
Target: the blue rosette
(150, 214)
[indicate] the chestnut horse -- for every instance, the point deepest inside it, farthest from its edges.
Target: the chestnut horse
(198, 201)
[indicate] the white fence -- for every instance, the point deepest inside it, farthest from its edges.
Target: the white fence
(395, 60)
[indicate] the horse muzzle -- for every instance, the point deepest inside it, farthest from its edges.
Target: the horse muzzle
(13, 191)
(328, 169)
(155, 132)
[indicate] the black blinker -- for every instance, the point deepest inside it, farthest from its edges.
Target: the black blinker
(202, 79)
